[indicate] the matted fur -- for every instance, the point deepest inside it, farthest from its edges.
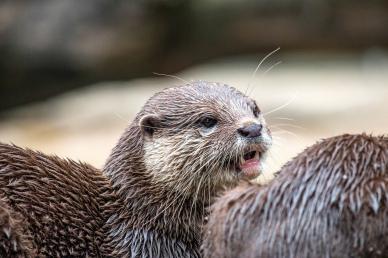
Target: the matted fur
(49, 207)
(165, 182)
(329, 201)
(14, 238)
(151, 200)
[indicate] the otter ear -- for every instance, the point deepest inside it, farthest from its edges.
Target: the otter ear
(149, 123)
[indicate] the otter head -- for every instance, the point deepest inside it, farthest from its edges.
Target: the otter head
(202, 136)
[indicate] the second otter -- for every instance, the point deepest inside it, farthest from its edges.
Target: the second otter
(329, 201)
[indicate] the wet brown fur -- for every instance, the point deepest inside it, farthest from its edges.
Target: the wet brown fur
(329, 201)
(14, 239)
(161, 208)
(50, 207)
(162, 181)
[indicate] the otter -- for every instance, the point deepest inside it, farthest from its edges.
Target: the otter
(50, 207)
(186, 145)
(329, 201)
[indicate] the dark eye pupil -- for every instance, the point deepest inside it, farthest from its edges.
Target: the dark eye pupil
(209, 122)
(256, 112)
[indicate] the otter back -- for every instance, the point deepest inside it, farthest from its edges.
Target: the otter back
(329, 201)
(49, 206)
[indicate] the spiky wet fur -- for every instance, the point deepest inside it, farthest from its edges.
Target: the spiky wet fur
(152, 200)
(14, 238)
(165, 181)
(329, 201)
(49, 207)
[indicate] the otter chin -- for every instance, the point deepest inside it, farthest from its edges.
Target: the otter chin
(186, 145)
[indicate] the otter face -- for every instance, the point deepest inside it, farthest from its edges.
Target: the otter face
(203, 134)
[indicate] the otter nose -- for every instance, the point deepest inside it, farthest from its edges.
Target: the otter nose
(250, 131)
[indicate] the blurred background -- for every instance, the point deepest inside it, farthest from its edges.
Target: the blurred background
(74, 73)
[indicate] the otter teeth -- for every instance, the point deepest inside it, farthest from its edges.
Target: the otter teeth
(249, 155)
(242, 160)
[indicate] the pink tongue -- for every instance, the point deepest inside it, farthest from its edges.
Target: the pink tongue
(250, 163)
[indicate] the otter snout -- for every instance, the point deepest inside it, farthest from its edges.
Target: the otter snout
(252, 130)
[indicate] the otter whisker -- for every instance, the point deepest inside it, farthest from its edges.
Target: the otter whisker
(279, 141)
(282, 131)
(296, 136)
(271, 67)
(288, 125)
(278, 144)
(258, 67)
(172, 76)
(265, 72)
(283, 118)
(275, 135)
(279, 129)
(120, 117)
(281, 106)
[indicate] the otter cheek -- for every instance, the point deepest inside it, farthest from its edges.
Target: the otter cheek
(156, 151)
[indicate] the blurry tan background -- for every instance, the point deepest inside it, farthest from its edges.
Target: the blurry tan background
(333, 77)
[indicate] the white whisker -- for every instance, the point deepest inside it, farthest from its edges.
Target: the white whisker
(265, 72)
(283, 118)
(287, 125)
(120, 117)
(172, 76)
(281, 107)
(258, 67)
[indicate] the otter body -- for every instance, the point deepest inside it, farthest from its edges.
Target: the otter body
(49, 207)
(186, 145)
(183, 147)
(329, 201)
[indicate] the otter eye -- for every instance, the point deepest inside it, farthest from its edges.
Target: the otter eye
(208, 122)
(256, 111)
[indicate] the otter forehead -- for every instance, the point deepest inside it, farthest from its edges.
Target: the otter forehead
(201, 96)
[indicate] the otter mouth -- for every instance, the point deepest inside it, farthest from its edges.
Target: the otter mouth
(250, 165)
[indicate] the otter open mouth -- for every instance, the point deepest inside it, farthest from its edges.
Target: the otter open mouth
(250, 164)
(250, 155)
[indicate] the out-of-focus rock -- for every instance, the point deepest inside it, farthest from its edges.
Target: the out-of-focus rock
(50, 46)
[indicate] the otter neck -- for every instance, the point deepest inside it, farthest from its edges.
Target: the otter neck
(146, 204)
